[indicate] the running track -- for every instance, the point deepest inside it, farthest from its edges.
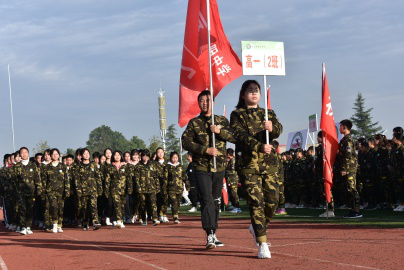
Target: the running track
(169, 246)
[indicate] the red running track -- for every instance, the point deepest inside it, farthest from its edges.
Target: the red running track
(182, 246)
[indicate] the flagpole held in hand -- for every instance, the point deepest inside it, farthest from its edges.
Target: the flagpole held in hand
(211, 79)
(266, 106)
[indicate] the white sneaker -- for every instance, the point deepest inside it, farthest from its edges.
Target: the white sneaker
(23, 231)
(7, 226)
(236, 211)
(165, 219)
(29, 230)
(251, 229)
(114, 223)
(60, 230)
(108, 221)
(119, 224)
(263, 251)
(161, 218)
(55, 228)
(133, 220)
(192, 210)
(399, 208)
(330, 214)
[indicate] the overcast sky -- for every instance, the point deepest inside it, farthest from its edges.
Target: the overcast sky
(79, 64)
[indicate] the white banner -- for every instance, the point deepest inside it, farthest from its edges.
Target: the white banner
(263, 58)
(297, 139)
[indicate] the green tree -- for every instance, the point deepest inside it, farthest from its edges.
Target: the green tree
(363, 126)
(155, 143)
(103, 137)
(137, 143)
(71, 151)
(172, 142)
(40, 147)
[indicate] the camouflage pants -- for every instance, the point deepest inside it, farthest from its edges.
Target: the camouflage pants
(147, 201)
(56, 204)
(89, 209)
(352, 193)
(175, 201)
(26, 210)
(262, 194)
(232, 190)
(162, 203)
(119, 205)
(386, 189)
(281, 203)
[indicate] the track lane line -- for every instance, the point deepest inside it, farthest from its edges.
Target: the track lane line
(3, 265)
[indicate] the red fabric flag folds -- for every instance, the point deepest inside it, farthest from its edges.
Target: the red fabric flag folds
(330, 138)
(194, 78)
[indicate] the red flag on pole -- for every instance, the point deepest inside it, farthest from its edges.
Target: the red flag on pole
(225, 195)
(269, 97)
(194, 78)
(330, 138)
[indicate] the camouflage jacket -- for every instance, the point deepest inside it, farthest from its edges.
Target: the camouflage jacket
(57, 180)
(248, 128)
(231, 174)
(383, 161)
(146, 178)
(299, 171)
(132, 170)
(105, 174)
(27, 179)
(175, 177)
(121, 180)
(197, 138)
(398, 162)
(160, 169)
(87, 180)
(281, 170)
(346, 156)
(190, 174)
(366, 167)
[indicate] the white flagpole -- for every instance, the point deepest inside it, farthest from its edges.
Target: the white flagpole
(210, 78)
(266, 106)
(11, 106)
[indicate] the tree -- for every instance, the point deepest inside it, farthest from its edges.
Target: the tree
(40, 147)
(137, 143)
(362, 120)
(155, 143)
(172, 142)
(71, 151)
(103, 137)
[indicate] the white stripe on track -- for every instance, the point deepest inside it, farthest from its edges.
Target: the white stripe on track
(278, 253)
(119, 254)
(3, 265)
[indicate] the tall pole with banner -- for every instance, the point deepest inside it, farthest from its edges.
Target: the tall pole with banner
(263, 58)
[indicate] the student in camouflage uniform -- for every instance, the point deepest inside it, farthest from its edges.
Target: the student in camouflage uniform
(299, 176)
(74, 189)
(106, 201)
(175, 177)
(120, 186)
(398, 169)
(147, 185)
(384, 172)
(348, 162)
(8, 193)
(256, 160)
(197, 139)
(29, 185)
(135, 195)
(232, 181)
(281, 171)
(89, 186)
(162, 196)
(57, 186)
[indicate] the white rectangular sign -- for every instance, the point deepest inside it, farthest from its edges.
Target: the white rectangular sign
(313, 123)
(297, 139)
(263, 58)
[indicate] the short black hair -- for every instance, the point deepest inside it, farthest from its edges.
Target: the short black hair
(204, 93)
(320, 134)
(83, 150)
(173, 153)
(398, 130)
(96, 155)
(145, 152)
(24, 148)
(230, 151)
(70, 156)
(346, 123)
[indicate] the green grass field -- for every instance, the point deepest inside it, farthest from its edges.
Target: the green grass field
(371, 218)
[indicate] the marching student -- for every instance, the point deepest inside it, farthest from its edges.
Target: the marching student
(175, 177)
(89, 186)
(57, 187)
(256, 162)
(197, 139)
(135, 195)
(147, 185)
(120, 186)
(27, 178)
(162, 196)
(105, 201)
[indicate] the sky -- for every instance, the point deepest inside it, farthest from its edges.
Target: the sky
(79, 64)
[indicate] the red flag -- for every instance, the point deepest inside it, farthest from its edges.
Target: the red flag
(225, 195)
(226, 65)
(269, 97)
(330, 138)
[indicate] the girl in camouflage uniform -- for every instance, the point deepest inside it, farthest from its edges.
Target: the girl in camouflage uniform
(256, 162)
(175, 177)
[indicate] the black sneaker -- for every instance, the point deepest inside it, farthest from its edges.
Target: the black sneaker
(210, 244)
(217, 242)
(353, 214)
